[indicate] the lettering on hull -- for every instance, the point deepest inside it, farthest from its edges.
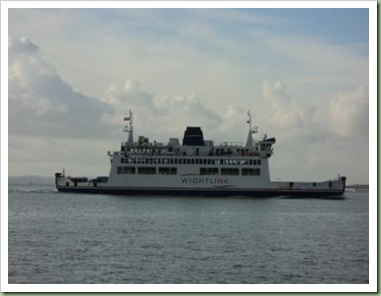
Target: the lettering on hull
(206, 181)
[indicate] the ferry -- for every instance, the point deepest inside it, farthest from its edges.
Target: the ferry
(195, 167)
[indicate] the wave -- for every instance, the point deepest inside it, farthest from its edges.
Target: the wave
(31, 189)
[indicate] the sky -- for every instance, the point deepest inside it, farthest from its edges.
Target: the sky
(73, 74)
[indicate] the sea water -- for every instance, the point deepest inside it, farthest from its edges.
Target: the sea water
(57, 238)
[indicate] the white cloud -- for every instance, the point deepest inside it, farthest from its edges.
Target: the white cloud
(23, 46)
(171, 112)
(287, 116)
(128, 94)
(318, 139)
(218, 54)
(283, 111)
(41, 103)
(349, 113)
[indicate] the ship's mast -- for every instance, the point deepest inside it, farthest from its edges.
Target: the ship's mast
(252, 130)
(129, 129)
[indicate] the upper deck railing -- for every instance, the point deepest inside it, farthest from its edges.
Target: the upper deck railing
(231, 144)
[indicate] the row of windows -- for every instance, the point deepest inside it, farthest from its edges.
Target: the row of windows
(203, 171)
(147, 170)
(192, 161)
(230, 171)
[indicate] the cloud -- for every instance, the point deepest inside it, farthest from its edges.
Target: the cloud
(171, 112)
(345, 114)
(287, 114)
(318, 138)
(49, 118)
(125, 97)
(23, 46)
(41, 103)
(284, 111)
(349, 113)
(128, 94)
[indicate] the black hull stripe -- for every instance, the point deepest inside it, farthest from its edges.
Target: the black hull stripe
(202, 192)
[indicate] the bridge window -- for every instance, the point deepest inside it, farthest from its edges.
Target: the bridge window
(229, 171)
(251, 172)
(208, 171)
(126, 170)
(167, 171)
(146, 170)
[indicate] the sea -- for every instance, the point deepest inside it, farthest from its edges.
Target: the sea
(60, 238)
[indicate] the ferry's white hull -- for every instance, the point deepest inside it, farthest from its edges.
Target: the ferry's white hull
(205, 186)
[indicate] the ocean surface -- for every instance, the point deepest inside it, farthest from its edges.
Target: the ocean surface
(58, 238)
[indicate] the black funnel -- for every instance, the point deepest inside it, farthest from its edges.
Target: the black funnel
(193, 137)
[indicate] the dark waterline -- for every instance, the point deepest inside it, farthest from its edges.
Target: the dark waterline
(81, 239)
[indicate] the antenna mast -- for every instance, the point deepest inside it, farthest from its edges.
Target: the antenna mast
(129, 129)
(252, 130)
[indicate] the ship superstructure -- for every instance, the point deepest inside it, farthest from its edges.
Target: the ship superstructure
(195, 167)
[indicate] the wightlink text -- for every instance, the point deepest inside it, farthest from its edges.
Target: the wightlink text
(210, 181)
